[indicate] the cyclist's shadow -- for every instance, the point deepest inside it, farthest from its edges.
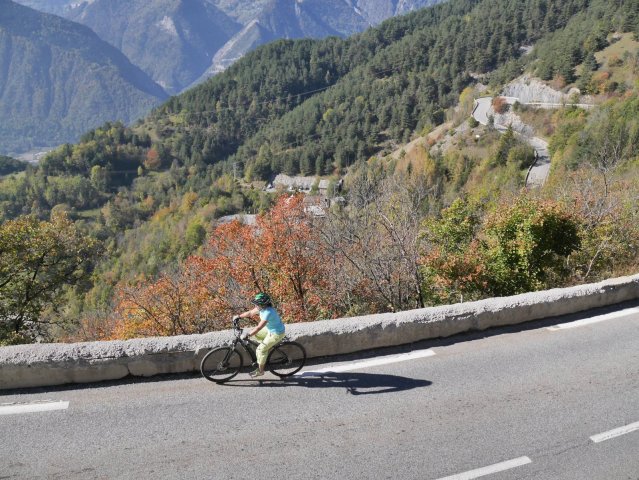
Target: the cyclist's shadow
(355, 383)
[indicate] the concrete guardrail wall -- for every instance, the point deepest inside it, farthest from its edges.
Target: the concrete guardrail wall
(57, 364)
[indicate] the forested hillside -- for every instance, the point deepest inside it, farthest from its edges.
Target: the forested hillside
(417, 228)
(269, 20)
(299, 106)
(10, 165)
(57, 79)
(384, 84)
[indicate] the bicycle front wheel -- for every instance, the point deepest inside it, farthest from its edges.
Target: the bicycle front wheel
(286, 359)
(221, 364)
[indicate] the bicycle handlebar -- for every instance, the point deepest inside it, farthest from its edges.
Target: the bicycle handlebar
(236, 323)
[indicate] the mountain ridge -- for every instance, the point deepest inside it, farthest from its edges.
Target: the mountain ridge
(293, 19)
(135, 27)
(58, 78)
(172, 40)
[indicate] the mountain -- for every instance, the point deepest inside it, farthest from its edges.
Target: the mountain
(343, 14)
(58, 79)
(292, 19)
(288, 19)
(318, 106)
(173, 41)
(57, 7)
(180, 43)
(374, 11)
(314, 107)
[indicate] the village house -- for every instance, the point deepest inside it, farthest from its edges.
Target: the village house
(299, 184)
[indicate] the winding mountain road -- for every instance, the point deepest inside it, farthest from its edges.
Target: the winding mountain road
(539, 171)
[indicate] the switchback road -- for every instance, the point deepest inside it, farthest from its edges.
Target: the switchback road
(540, 170)
(551, 400)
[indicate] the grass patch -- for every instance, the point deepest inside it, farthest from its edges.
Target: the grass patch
(540, 119)
(620, 60)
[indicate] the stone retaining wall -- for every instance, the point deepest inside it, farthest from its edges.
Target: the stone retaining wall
(57, 364)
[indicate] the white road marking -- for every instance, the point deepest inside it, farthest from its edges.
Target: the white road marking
(498, 467)
(402, 357)
(599, 318)
(46, 406)
(615, 433)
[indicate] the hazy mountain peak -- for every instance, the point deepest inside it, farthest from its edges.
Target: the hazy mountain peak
(59, 79)
(172, 40)
(179, 43)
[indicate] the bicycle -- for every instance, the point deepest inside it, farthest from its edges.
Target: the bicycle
(223, 363)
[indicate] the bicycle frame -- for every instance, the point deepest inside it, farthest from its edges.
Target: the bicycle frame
(248, 345)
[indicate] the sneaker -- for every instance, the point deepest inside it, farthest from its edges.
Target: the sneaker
(256, 373)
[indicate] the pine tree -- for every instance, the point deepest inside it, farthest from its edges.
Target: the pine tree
(590, 62)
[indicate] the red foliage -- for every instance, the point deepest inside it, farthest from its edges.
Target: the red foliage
(500, 105)
(152, 160)
(279, 255)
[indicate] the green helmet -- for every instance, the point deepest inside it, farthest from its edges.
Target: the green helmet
(262, 300)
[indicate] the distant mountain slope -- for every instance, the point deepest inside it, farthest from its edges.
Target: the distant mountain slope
(57, 7)
(241, 10)
(250, 37)
(288, 19)
(374, 11)
(58, 79)
(293, 19)
(181, 43)
(173, 41)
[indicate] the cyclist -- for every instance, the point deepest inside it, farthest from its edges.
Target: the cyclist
(269, 336)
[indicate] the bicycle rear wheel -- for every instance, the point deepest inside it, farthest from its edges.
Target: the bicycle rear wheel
(221, 364)
(286, 359)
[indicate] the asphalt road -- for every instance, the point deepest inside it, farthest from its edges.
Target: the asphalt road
(539, 172)
(527, 401)
(482, 109)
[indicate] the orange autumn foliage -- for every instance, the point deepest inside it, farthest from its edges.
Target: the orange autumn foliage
(152, 160)
(280, 255)
(500, 105)
(174, 304)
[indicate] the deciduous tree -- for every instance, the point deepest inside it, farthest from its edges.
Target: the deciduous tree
(525, 243)
(281, 254)
(37, 259)
(452, 265)
(373, 241)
